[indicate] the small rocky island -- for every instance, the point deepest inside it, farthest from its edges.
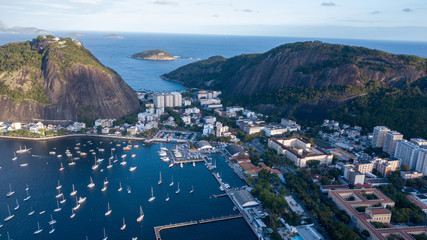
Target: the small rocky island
(155, 55)
(113, 36)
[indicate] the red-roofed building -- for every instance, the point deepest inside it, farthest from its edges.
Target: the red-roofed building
(418, 203)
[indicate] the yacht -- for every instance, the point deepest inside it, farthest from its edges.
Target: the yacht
(177, 190)
(23, 164)
(194, 164)
(167, 197)
(120, 188)
(77, 205)
(31, 212)
(100, 160)
(160, 180)
(10, 193)
(42, 212)
(59, 156)
(73, 214)
(133, 155)
(52, 221)
(25, 150)
(131, 169)
(104, 188)
(108, 212)
(181, 165)
(58, 208)
(17, 205)
(52, 152)
(61, 168)
(27, 188)
(38, 229)
(74, 192)
(52, 230)
(10, 216)
(106, 181)
(91, 184)
(192, 189)
(72, 163)
(141, 215)
(171, 184)
(59, 186)
(123, 155)
(152, 196)
(82, 200)
(14, 157)
(123, 162)
(123, 227)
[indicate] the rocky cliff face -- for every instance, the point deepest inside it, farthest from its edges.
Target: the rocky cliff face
(307, 64)
(58, 79)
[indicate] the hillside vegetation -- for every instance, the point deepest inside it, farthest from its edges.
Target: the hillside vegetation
(314, 80)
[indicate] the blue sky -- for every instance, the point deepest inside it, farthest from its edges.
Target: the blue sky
(385, 19)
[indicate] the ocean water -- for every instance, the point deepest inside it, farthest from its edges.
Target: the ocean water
(42, 175)
(144, 75)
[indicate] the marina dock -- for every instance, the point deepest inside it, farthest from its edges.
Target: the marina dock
(191, 223)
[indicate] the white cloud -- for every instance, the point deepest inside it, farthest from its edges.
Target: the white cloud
(328, 4)
(165, 2)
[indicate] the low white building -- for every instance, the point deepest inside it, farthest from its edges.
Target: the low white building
(208, 129)
(186, 119)
(272, 130)
(104, 122)
(210, 120)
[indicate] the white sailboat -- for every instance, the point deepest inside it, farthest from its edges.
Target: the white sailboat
(23, 164)
(123, 163)
(120, 188)
(123, 227)
(74, 192)
(77, 205)
(52, 230)
(27, 188)
(63, 200)
(57, 209)
(31, 212)
(108, 212)
(10, 193)
(95, 166)
(17, 205)
(59, 185)
(160, 180)
(73, 214)
(14, 157)
(171, 184)
(141, 215)
(28, 196)
(167, 197)
(52, 221)
(60, 194)
(106, 181)
(10, 216)
(152, 196)
(131, 169)
(104, 188)
(91, 184)
(38, 229)
(192, 189)
(23, 150)
(177, 190)
(181, 165)
(105, 235)
(109, 163)
(82, 200)
(171, 165)
(194, 164)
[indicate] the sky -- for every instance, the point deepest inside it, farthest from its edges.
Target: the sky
(368, 19)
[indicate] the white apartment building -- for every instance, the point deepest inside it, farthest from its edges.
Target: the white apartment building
(379, 134)
(391, 139)
(407, 152)
(422, 161)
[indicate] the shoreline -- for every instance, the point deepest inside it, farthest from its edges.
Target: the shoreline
(72, 135)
